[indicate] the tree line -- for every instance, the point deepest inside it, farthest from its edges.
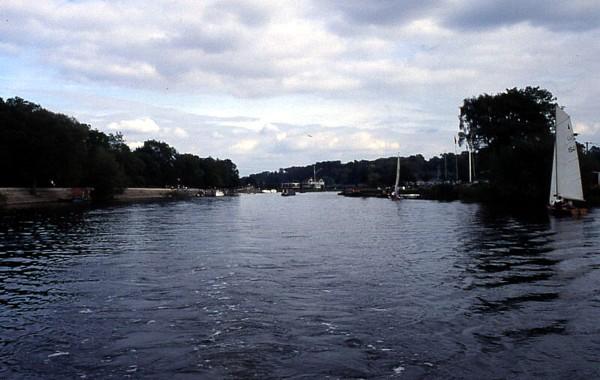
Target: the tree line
(372, 173)
(40, 148)
(511, 137)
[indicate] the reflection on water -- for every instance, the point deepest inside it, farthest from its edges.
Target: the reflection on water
(310, 286)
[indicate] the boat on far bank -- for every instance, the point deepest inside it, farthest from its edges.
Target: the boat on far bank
(286, 192)
(566, 193)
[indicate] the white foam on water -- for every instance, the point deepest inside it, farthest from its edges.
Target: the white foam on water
(399, 369)
(58, 353)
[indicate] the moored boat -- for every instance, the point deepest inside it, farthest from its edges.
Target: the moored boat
(566, 192)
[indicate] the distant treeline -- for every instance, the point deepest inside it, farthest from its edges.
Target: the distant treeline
(376, 173)
(511, 135)
(40, 148)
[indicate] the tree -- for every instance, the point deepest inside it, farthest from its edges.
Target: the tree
(105, 174)
(42, 148)
(159, 163)
(511, 133)
(189, 170)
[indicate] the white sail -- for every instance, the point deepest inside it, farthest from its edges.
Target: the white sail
(396, 188)
(566, 176)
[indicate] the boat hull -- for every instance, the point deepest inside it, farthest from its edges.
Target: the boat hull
(561, 211)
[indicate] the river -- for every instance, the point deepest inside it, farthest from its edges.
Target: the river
(306, 287)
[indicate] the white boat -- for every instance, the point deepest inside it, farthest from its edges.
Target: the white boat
(565, 186)
(219, 193)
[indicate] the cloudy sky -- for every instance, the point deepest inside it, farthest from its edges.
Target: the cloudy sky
(271, 84)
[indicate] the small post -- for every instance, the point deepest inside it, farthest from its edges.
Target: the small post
(470, 162)
(456, 159)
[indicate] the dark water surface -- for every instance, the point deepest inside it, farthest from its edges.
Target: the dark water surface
(312, 286)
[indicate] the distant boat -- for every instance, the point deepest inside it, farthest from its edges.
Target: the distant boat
(395, 196)
(219, 193)
(565, 186)
(288, 192)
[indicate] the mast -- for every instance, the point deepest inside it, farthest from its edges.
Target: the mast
(470, 165)
(556, 162)
(397, 176)
(455, 160)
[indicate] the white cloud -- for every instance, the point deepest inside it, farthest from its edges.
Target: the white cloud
(180, 132)
(365, 141)
(134, 144)
(587, 129)
(143, 125)
(245, 146)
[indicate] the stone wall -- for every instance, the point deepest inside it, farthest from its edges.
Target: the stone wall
(23, 196)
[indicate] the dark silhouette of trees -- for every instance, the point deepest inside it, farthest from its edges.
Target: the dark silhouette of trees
(376, 173)
(512, 135)
(159, 163)
(39, 148)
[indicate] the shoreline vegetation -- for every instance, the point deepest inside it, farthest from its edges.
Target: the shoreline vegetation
(509, 135)
(511, 138)
(24, 198)
(41, 150)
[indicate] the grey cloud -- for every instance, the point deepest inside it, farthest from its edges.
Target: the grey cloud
(355, 16)
(576, 15)
(207, 42)
(382, 12)
(249, 13)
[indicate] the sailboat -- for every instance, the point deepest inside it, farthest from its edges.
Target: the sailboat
(395, 196)
(565, 186)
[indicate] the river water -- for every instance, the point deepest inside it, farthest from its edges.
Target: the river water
(306, 287)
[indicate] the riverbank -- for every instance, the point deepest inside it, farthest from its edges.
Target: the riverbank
(29, 197)
(477, 192)
(22, 197)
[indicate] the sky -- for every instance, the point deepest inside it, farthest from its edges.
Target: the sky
(272, 84)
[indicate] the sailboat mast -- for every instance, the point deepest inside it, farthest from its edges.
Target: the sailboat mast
(397, 174)
(556, 162)
(470, 164)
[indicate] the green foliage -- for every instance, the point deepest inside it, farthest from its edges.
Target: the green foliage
(39, 148)
(590, 166)
(159, 163)
(377, 173)
(511, 133)
(513, 117)
(105, 174)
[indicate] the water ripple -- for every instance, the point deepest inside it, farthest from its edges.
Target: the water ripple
(312, 286)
